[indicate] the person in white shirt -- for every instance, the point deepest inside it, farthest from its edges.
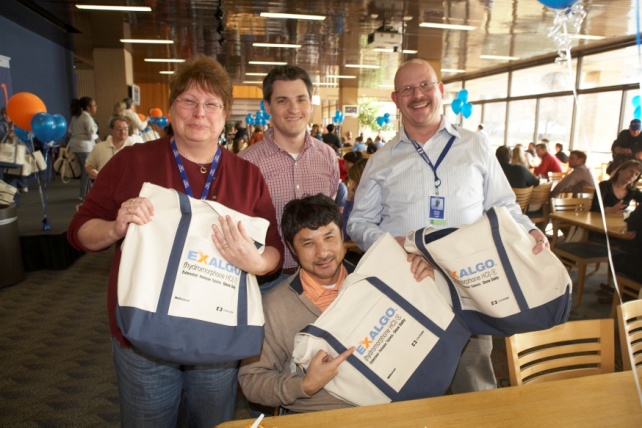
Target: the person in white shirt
(431, 160)
(105, 150)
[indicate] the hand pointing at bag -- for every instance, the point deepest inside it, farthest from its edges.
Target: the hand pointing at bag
(322, 369)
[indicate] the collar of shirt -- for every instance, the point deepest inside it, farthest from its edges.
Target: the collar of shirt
(444, 126)
(268, 136)
(319, 295)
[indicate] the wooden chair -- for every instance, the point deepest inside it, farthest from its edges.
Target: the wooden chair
(538, 210)
(522, 196)
(629, 318)
(576, 251)
(573, 349)
(629, 290)
(555, 177)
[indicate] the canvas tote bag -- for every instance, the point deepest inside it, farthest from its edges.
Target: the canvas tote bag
(12, 153)
(67, 165)
(496, 283)
(408, 340)
(178, 298)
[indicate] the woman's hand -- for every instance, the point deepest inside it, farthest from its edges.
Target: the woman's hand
(615, 209)
(137, 210)
(238, 248)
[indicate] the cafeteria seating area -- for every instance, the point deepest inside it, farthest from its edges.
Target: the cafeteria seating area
(55, 350)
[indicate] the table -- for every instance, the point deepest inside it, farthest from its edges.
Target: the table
(608, 400)
(592, 221)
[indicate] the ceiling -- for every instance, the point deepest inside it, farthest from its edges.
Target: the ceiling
(516, 28)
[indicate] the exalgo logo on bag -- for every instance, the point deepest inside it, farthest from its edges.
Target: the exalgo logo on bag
(202, 265)
(476, 274)
(380, 334)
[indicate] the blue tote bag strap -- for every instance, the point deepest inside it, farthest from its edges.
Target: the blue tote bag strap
(506, 265)
(175, 254)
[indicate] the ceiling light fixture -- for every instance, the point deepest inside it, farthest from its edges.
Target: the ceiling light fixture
(114, 8)
(166, 72)
(586, 37)
(385, 50)
(267, 63)
(374, 67)
(256, 74)
(164, 60)
(499, 57)
(292, 16)
(447, 26)
(148, 41)
(338, 76)
(276, 45)
(324, 84)
(452, 70)
(253, 82)
(409, 51)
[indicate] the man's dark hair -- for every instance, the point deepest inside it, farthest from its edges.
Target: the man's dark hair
(309, 212)
(559, 146)
(288, 73)
(503, 154)
(580, 154)
(330, 128)
(353, 157)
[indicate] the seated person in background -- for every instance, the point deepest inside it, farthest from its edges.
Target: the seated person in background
(359, 146)
(257, 135)
(576, 180)
(351, 158)
(371, 148)
(549, 162)
(105, 150)
(330, 138)
(620, 188)
(311, 228)
(518, 176)
(627, 145)
(559, 153)
(628, 262)
(518, 156)
(354, 177)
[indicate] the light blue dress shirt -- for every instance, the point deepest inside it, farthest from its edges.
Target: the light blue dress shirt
(394, 193)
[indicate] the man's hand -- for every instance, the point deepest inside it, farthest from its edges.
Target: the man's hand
(419, 266)
(322, 369)
(541, 242)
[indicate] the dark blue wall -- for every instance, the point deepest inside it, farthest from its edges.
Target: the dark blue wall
(38, 66)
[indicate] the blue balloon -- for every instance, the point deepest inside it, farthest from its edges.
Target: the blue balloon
(381, 121)
(267, 116)
(467, 110)
(558, 4)
(162, 121)
(21, 134)
(637, 114)
(463, 95)
(249, 119)
(386, 115)
(259, 113)
(636, 101)
(456, 105)
(42, 125)
(60, 128)
(262, 105)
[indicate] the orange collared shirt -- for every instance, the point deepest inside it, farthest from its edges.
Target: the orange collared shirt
(319, 295)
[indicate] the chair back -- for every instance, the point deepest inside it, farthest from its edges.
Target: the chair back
(573, 349)
(538, 210)
(568, 204)
(629, 318)
(629, 290)
(522, 196)
(555, 177)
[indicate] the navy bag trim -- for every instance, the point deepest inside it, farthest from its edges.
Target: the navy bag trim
(457, 335)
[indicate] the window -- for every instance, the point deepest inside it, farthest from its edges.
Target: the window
(543, 79)
(554, 120)
(521, 122)
(494, 119)
(596, 125)
(618, 67)
(488, 88)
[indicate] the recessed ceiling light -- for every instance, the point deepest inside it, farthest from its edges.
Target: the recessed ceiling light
(362, 66)
(256, 74)
(166, 72)
(338, 76)
(276, 45)
(409, 51)
(267, 63)
(407, 18)
(452, 70)
(253, 82)
(447, 26)
(499, 57)
(148, 41)
(386, 50)
(164, 60)
(586, 37)
(115, 8)
(292, 16)
(324, 84)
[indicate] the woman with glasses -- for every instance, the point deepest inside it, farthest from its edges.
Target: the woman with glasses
(189, 161)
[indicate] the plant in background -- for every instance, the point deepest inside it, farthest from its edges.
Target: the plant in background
(369, 110)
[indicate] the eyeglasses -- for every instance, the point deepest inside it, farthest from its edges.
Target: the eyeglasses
(121, 129)
(190, 104)
(424, 87)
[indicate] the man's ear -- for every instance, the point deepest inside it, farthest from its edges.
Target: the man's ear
(292, 250)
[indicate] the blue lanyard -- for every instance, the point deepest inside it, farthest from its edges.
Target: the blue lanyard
(181, 170)
(426, 159)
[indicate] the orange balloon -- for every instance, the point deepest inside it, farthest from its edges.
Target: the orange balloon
(141, 116)
(156, 112)
(22, 107)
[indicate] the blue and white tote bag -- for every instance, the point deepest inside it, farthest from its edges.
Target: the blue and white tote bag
(178, 298)
(408, 340)
(496, 283)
